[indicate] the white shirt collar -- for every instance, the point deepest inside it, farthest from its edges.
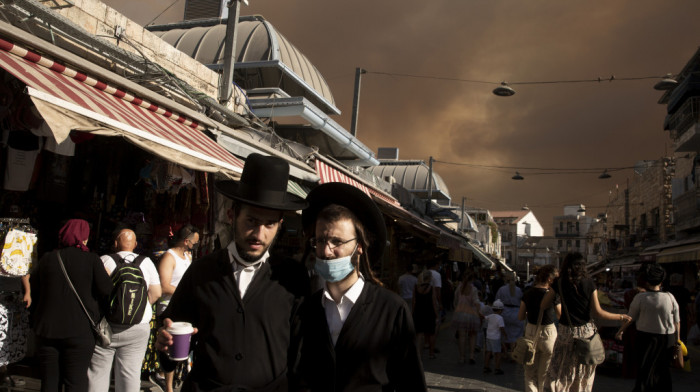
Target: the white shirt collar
(351, 295)
(239, 263)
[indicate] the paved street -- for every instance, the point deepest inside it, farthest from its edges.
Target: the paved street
(445, 374)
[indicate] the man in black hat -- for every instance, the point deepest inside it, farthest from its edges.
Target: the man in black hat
(245, 321)
(357, 335)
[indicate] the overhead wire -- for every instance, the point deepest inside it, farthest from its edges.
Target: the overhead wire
(611, 78)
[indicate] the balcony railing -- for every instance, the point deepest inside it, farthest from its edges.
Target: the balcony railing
(685, 117)
(686, 210)
(566, 233)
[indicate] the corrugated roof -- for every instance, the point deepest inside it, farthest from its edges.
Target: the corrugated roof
(264, 57)
(413, 175)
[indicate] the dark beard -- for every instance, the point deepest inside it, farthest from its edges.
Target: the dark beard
(249, 258)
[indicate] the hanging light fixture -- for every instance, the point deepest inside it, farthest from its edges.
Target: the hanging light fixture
(517, 176)
(604, 175)
(503, 90)
(667, 83)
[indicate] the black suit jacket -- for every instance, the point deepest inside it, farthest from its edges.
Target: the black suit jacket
(375, 350)
(56, 313)
(240, 343)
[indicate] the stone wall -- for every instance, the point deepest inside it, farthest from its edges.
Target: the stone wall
(100, 20)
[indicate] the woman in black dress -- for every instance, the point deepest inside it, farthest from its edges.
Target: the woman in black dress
(425, 313)
(66, 340)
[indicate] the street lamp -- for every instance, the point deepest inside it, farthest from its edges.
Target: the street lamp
(503, 90)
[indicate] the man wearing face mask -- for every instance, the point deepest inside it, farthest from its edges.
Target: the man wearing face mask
(356, 334)
(244, 321)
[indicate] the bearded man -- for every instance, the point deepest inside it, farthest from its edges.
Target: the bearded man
(244, 321)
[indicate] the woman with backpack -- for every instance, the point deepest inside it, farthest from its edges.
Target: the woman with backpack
(64, 332)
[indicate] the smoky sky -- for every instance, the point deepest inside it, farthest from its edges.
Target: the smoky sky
(551, 125)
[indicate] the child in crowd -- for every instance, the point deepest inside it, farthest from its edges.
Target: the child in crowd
(495, 337)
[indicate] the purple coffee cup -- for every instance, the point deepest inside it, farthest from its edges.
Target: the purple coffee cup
(181, 332)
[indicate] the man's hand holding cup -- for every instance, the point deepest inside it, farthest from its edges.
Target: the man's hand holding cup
(174, 339)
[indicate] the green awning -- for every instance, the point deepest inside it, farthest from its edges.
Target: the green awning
(296, 189)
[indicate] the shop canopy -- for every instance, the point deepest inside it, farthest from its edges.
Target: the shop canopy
(689, 252)
(72, 101)
(479, 254)
(328, 172)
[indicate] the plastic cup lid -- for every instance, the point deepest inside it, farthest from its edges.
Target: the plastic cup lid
(181, 328)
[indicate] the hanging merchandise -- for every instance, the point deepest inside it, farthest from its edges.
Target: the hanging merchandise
(14, 328)
(166, 176)
(19, 249)
(22, 151)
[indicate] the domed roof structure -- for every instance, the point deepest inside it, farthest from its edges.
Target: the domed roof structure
(414, 175)
(264, 58)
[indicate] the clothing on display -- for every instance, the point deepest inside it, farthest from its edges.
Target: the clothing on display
(19, 246)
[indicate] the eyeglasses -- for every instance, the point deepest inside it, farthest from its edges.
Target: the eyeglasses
(331, 242)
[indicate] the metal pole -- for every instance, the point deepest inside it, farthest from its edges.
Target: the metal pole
(430, 186)
(356, 101)
(461, 217)
(226, 87)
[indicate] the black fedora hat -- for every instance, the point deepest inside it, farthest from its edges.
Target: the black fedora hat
(263, 184)
(356, 201)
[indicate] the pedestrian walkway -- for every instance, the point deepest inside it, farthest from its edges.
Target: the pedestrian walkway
(444, 373)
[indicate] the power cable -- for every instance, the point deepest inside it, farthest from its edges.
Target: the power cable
(162, 12)
(611, 78)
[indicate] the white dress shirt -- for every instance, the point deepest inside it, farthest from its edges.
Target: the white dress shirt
(337, 313)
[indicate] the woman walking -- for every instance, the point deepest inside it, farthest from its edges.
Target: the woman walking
(425, 312)
(66, 340)
(510, 295)
(466, 316)
(657, 318)
(544, 319)
(579, 298)
(171, 268)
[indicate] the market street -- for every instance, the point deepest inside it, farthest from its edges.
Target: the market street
(445, 374)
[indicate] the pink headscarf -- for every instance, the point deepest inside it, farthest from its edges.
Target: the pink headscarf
(73, 233)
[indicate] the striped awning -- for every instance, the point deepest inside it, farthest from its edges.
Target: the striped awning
(70, 100)
(296, 189)
(328, 173)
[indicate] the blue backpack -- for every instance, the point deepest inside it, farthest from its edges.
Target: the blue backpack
(129, 297)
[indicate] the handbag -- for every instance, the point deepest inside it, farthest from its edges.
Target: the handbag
(677, 356)
(525, 349)
(590, 350)
(101, 330)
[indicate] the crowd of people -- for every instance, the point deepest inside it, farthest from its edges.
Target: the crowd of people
(554, 310)
(251, 333)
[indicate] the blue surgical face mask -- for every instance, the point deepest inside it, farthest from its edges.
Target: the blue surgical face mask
(335, 270)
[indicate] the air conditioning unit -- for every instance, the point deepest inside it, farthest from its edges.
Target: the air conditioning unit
(388, 153)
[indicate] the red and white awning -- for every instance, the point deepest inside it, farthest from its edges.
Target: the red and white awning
(327, 173)
(70, 100)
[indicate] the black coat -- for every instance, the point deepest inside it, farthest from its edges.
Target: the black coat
(240, 343)
(375, 350)
(56, 312)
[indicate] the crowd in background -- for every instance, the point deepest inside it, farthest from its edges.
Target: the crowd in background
(492, 309)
